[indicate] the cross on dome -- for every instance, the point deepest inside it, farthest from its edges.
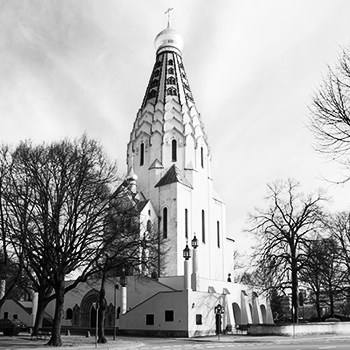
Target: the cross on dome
(168, 13)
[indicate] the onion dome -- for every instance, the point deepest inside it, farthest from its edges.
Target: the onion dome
(168, 39)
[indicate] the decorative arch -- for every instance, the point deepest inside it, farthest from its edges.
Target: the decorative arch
(87, 310)
(263, 313)
(237, 313)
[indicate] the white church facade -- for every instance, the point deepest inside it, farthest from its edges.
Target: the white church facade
(169, 159)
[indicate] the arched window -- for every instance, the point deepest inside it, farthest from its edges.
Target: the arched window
(186, 223)
(156, 73)
(170, 62)
(174, 150)
(203, 226)
(69, 314)
(218, 233)
(202, 157)
(142, 154)
(165, 223)
(171, 70)
(158, 64)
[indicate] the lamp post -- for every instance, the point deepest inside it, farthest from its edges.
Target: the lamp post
(116, 286)
(123, 282)
(2, 278)
(96, 328)
(219, 310)
(186, 255)
(194, 244)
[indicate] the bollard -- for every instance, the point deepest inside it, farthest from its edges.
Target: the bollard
(67, 332)
(87, 334)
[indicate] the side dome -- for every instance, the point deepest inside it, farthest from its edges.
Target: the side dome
(168, 39)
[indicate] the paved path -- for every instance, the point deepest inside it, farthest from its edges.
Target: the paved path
(24, 342)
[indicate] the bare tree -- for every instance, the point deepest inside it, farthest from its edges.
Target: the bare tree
(282, 232)
(311, 274)
(130, 245)
(60, 198)
(330, 113)
(11, 265)
(339, 228)
(333, 274)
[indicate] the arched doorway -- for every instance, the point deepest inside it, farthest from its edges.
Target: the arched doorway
(263, 313)
(237, 313)
(88, 310)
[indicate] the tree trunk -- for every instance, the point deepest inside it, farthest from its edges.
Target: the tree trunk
(55, 339)
(102, 311)
(294, 291)
(42, 303)
(318, 307)
(331, 304)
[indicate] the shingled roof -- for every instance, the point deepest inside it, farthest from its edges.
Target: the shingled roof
(174, 174)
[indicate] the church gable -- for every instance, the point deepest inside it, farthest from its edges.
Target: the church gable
(156, 165)
(173, 175)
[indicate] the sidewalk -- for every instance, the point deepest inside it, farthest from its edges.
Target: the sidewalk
(236, 338)
(24, 342)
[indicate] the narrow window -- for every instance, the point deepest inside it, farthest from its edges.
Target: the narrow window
(15, 316)
(69, 314)
(169, 315)
(203, 226)
(198, 319)
(218, 232)
(149, 319)
(142, 153)
(202, 158)
(174, 150)
(6, 315)
(165, 222)
(149, 226)
(186, 223)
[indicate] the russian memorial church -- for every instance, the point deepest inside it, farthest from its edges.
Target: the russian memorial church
(168, 162)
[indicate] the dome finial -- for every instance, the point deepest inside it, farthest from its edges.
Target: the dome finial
(168, 13)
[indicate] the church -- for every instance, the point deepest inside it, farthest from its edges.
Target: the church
(169, 172)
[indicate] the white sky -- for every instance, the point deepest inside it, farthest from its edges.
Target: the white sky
(70, 66)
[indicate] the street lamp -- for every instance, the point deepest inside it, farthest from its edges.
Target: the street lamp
(123, 279)
(187, 252)
(116, 286)
(123, 282)
(194, 242)
(219, 310)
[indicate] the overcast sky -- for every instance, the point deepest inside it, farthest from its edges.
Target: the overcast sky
(69, 67)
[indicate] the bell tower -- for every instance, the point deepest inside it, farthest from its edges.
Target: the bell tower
(170, 154)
